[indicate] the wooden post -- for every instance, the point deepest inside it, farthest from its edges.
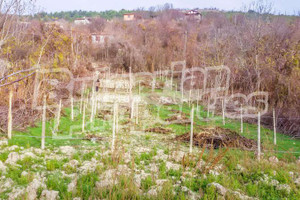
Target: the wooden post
(114, 128)
(139, 87)
(58, 117)
(9, 117)
(192, 129)
(223, 112)
(153, 83)
(81, 99)
(72, 108)
(208, 107)
(258, 137)
(172, 80)
(190, 94)
(44, 124)
(92, 106)
(198, 94)
(130, 94)
(274, 124)
(242, 121)
(117, 119)
(96, 108)
(137, 114)
(83, 117)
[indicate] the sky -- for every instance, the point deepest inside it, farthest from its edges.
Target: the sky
(280, 6)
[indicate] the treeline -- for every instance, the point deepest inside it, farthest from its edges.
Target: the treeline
(72, 15)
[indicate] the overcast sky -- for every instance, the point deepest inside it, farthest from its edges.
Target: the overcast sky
(282, 6)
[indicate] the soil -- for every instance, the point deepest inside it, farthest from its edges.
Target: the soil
(159, 130)
(219, 138)
(93, 137)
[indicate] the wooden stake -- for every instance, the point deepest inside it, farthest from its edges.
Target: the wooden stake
(117, 119)
(198, 94)
(130, 94)
(258, 137)
(192, 129)
(44, 124)
(72, 108)
(208, 108)
(57, 118)
(274, 124)
(137, 114)
(172, 80)
(81, 99)
(9, 117)
(92, 107)
(242, 125)
(83, 117)
(190, 94)
(139, 87)
(114, 128)
(223, 112)
(132, 110)
(153, 83)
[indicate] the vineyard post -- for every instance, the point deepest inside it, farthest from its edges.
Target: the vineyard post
(242, 125)
(44, 124)
(72, 108)
(274, 124)
(258, 137)
(223, 112)
(192, 131)
(9, 118)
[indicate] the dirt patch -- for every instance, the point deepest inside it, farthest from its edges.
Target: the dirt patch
(93, 138)
(159, 130)
(219, 138)
(179, 119)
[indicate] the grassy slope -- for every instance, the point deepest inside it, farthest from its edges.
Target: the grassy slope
(247, 181)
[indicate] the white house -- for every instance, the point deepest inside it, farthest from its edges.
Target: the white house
(101, 38)
(82, 21)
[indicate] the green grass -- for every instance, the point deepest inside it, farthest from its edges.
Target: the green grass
(32, 137)
(284, 143)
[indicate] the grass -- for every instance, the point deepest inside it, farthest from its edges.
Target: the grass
(284, 143)
(239, 170)
(32, 137)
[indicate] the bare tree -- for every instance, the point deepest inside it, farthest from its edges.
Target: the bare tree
(11, 11)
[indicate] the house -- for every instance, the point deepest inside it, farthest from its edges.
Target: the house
(101, 38)
(82, 21)
(131, 16)
(193, 15)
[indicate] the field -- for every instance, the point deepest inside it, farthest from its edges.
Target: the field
(147, 159)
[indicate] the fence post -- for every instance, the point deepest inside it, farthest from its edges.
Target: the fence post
(223, 112)
(172, 79)
(44, 124)
(258, 137)
(83, 116)
(114, 128)
(274, 124)
(81, 98)
(153, 83)
(208, 110)
(137, 113)
(57, 118)
(139, 87)
(130, 95)
(242, 125)
(72, 108)
(9, 117)
(117, 119)
(192, 129)
(190, 94)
